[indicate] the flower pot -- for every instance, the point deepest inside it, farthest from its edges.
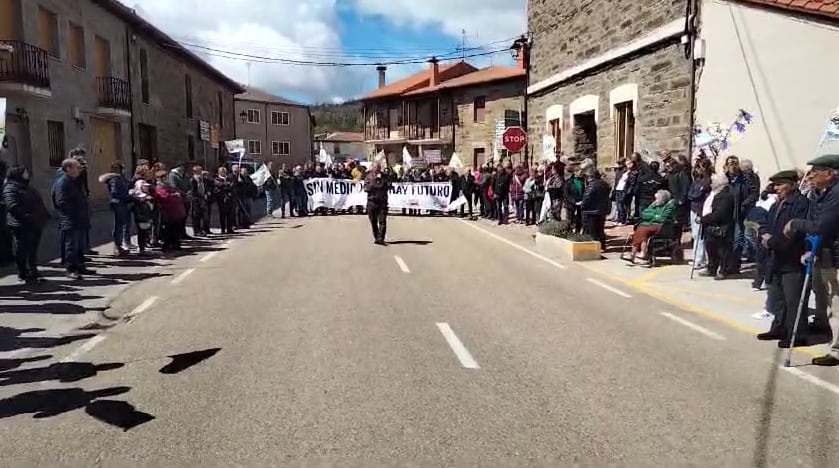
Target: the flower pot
(576, 251)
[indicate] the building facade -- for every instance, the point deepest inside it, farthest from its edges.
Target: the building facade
(92, 73)
(605, 85)
(274, 128)
(446, 108)
(341, 145)
(755, 53)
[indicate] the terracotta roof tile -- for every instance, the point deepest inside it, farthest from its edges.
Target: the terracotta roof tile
(825, 8)
(421, 80)
(484, 75)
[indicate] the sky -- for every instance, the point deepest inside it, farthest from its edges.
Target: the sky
(261, 42)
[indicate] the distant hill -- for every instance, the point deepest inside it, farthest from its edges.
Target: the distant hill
(345, 117)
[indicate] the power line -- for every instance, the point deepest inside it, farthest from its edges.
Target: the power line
(289, 61)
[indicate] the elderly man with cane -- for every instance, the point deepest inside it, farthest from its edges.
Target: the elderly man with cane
(822, 223)
(785, 273)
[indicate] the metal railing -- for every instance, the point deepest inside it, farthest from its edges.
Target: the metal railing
(25, 63)
(113, 93)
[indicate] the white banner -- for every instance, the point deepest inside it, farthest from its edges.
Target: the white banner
(2, 119)
(342, 194)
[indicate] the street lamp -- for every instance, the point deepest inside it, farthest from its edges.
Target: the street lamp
(243, 116)
(515, 49)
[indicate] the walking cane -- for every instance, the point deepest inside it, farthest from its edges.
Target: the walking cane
(814, 242)
(695, 250)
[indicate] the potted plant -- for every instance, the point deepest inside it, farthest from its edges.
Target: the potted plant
(558, 238)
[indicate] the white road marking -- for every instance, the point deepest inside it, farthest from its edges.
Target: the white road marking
(694, 326)
(141, 308)
(516, 246)
(207, 257)
(180, 278)
(402, 265)
(89, 344)
(227, 244)
(812, 379)
(609, 288)
(463, 355)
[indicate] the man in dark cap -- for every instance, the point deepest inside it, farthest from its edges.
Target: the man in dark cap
(785, 273)
(823, 220)
(377, 185)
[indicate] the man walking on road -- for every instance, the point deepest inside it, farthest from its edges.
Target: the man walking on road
(377, 185)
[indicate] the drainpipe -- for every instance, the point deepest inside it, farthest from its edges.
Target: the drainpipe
(690, 33)
(128, 35)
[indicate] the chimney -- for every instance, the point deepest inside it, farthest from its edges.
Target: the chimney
(435, 72)
(381, 69)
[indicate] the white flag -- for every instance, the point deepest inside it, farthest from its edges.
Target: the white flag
(546, 208)
(407, 160)
(455, 162)
(261, 175)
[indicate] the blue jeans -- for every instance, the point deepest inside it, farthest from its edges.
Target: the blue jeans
(519, 210)
(73, 241)
(270, 195)
(122, 224)
(502, 209)
(744, 245)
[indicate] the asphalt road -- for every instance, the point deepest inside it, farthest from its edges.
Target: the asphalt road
(307, 345)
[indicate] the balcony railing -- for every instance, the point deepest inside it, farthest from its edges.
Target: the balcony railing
(113, 93)
(26, 64)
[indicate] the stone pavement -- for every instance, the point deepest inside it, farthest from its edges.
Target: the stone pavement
(64, 309)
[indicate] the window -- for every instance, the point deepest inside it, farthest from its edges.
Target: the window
(279, 118)
(76, 47)
(148, 141)
(188, 94)
(512, 118)
(48, 32)
(254, 147)
(144, 75)
(220, 98)
(55, 141)
(190, 147)
(556, 132)
(478, 157)
(280, 148)
(254, 116)
(624, 131)
(336, 148)
(479, 109)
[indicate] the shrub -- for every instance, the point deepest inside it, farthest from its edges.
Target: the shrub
(563, 229)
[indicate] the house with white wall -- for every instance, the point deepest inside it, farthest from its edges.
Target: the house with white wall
(778, 62)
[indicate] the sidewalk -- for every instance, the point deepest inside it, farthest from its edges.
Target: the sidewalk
(731, 302)
(64, 309)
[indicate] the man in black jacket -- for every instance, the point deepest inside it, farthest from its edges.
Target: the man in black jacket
(785, 273)
(26, 217)
(377, 185)
(823, 220)
(70, 203)
(595, 207)
(501, 193)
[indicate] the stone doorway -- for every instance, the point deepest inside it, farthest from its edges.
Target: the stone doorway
(585, 136)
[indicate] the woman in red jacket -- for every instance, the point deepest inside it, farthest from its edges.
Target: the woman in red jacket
(172, 211)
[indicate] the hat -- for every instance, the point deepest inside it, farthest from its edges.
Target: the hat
(790, 176)
(830, 161)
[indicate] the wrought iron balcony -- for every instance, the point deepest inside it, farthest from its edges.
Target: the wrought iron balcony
(24, 64)
(113, 93)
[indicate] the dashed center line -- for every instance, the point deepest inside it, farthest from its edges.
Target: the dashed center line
(694, 326)
(90, 344)
(463, 354)
(402, 265)
(609, 288)
(207, 257)
(180, 278)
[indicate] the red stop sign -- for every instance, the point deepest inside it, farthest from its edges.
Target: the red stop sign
(514, 139)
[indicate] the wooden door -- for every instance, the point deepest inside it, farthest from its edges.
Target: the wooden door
(9, 19)
(102, 57)
(106, 149)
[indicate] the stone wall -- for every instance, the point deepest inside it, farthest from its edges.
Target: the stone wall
(469, 135)
(662, 107)
(568, 32)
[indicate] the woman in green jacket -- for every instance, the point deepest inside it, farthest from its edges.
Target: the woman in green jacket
(659, 212)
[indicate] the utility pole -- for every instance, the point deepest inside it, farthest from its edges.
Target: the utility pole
(463, 44)
(249, 74)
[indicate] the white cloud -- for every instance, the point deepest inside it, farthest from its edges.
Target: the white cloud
(290, 29)
(483, 20)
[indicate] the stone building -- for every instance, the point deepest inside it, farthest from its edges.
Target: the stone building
(604, 84)
(274, 128)
(341, 145)
(452, 107)
(92, 73)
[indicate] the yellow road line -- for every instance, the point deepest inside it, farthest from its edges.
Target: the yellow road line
(725, 297)
(651, 275)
